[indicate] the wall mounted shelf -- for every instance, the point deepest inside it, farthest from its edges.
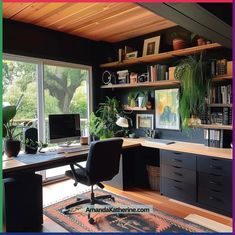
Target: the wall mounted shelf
(222, 78)
(128, 108)
(163, 83)
(161, 56)
(213, 126)
(220, 105)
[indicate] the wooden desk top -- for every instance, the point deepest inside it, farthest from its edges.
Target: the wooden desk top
(185, 147)
(11, 165)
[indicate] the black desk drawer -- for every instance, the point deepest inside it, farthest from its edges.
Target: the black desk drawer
(215, 199)
(214, 182)
(214, 166)
(178, 190)
(184, 160)
(178, 173)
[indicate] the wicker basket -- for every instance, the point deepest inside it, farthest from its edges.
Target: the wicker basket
(154, 177)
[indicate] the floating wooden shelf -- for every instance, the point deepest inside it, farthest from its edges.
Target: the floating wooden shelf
(220, 105)
(144, 84)
(161, 56)
(213, 126)
(222, 78)
(128, 108)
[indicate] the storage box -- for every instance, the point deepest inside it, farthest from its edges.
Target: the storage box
(154, 177)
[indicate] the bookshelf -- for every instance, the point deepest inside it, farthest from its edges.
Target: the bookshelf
(161, 56)
(163, 83)
(219, 105)
(128, 108)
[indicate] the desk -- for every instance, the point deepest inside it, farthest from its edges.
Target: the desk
(13, 168)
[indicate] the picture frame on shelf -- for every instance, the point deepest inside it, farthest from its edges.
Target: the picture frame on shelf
(151, 46)
(131, 55)
(144, 121)
(167, 109)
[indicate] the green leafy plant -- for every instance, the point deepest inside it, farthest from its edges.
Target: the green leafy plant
(8, 114)
(193, 73)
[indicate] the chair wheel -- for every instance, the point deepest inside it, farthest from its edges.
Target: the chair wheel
(91, 221)
(65, 211)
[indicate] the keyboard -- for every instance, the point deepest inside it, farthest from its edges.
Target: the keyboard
(73, 149)
(160, 141)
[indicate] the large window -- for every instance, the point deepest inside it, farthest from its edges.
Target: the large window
(49, 87)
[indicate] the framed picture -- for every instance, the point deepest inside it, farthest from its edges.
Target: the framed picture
(167, 109)
(144, 121)
(131, 55)
(151, 46)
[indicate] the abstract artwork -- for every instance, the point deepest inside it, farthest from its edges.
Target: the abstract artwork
(167, 109)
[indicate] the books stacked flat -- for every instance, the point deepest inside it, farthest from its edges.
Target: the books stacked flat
(123, 76)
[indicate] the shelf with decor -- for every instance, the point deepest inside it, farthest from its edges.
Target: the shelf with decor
(129, 108)
(164, 83)
(161, 56)
(213, 126)
(219, 105)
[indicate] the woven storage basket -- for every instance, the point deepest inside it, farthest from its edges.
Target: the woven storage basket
(154, 177)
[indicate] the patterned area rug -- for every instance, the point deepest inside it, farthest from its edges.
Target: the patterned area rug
(158, 221)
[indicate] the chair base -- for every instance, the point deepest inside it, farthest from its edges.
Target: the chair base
(92, 201)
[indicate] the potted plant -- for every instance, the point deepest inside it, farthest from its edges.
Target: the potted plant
(194, 74)
(11, 144)
(200, 40)
(178, 42)
(132, 96)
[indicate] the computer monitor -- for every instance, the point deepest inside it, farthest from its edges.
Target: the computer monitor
(64, 127)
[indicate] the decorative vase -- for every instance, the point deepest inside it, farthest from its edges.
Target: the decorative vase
(140, 101)
(179, 43)
(12, 147)
(201, 41)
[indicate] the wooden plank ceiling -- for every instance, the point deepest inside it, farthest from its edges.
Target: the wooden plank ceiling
(110, 22)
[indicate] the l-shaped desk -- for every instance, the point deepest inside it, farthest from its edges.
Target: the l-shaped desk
(190, 172)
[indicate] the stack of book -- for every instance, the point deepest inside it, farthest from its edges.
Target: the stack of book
(218, 67)
(158, 72)
(220, 95)
(217, 138)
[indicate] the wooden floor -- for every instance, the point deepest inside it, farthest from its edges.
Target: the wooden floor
(58, 191)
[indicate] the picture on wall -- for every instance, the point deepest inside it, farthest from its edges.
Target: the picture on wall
(167, 109)
(144, 121)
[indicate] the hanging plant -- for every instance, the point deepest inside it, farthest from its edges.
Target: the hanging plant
(194, 75)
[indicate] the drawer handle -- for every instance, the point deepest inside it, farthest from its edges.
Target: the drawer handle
(215, 199)
(215, 183)
(215, 167)
(176, 187)
(178, 167)
(176, 160)
(212, 174)
(215, 159)
(179, 174)
(178, 181)
(177, 153)
(214, 190)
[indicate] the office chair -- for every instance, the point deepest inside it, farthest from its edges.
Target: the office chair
(102, 165)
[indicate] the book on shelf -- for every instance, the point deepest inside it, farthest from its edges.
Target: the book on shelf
(218, 67)
(220, 94)
(217, 138)
(158, 72)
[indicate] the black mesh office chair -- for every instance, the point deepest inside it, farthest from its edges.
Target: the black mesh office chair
(102, 165)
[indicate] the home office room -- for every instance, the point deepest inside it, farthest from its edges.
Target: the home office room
(117, 117)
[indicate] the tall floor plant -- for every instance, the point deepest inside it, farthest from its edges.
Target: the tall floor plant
(194, 74)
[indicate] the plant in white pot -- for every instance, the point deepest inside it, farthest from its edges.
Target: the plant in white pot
(11, 143)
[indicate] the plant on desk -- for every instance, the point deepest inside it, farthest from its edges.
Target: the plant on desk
(11, 143)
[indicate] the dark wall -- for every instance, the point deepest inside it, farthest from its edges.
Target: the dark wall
(30, 40)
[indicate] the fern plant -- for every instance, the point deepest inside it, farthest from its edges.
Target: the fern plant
(194, 74)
